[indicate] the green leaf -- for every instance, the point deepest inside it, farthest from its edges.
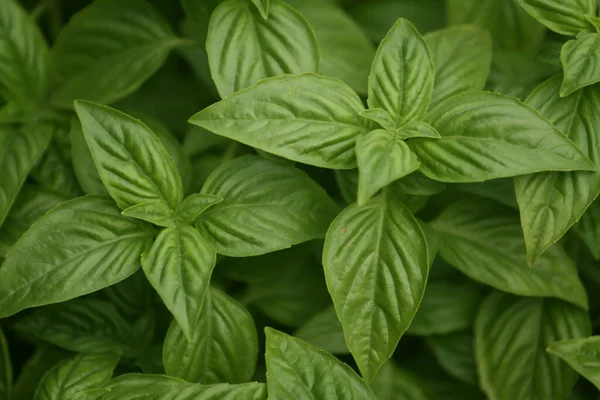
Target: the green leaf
(566, 17)
(511, 336)
(25, 60)
(20, 149)
(582, 355)
(244, 48)
(580, 58)
(419, 185)
(446, 307)
(346, 50)
(81, 325)
(485, 242)
(588, 228)
(298, 371)
(70, 378)
(81, 246)
(30, 205)
(132, 162)
(267, 205)
(6, 372)
(488, 136)
(324, 331)
(133, 296)
(194, 205)
(401, 79)
(154, 211)
(462, 56)
(456, 354)
(179, 266)
(382, 158)
(135, 43)
(43, 359)
(263, 7)
(510, 25)
(551, 202)
(393, 383)
(161, 387)
(416, 129)
(83, 163)
(375, 262)
(307, 118)
(381, 117)
(500, 190)
(224, 347)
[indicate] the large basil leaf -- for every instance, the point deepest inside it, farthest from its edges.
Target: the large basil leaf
(395, 383)
(135, 43)
(324, 331)
(446, 307)
(20, 149)
(583, 355)
(82, 325)
(71, 378)
(462, 56)
(161, 387)
(551, 202)
(224, 347)
(133, 164)
(81, 246)
(510, 25)
(25, 62)
(485, 242)
(30, 205)
(42, 360)
(382, 158)
(267, 205)
(346, 50)
(511, 336)
(6, 372)
(402, 75)
(299, 371)
(580, 59)
(455, 353)
(489, 135)
(179, 266)
(243, 47)
(566, 17)
(307, 118)
(589, 228)
(375, 261)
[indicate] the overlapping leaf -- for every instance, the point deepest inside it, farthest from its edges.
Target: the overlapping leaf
(582, 355)
(566, 17)
(580, 59)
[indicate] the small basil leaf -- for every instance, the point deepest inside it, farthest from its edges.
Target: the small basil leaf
(20, 149)
(393, 382)
(455, 352)
(135, 43)
(243, 47)
(324, 331)
(263, 7)
(267, 205)
(511, 335)
(401, 79)
(488, 136)
(42, 360)
(307, 118)
(80, 246)
(69, 378)
(582, 355)
(133, 163)
(462, 56)
(161, 387)
(381, 117)
(382, 158)
(417, 129)
(295, 370)
(224, 346)
(83, 163)
(6, 372)
(81, 325)
(154, 211)
(418, 184)
(566, 17)
(25, 61)
(588, 228)
(551, 202)
(179, 266)
(194, 205)
(375, 262)
(485, 242)
(579, 58)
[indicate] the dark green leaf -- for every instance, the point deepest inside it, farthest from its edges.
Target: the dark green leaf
(324, 331)
(456, 354)
(580, 59)
(42, 360)
(395, 383)
(589, 228)
(6, 372)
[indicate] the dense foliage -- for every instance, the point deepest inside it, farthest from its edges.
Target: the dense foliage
(321, 200)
